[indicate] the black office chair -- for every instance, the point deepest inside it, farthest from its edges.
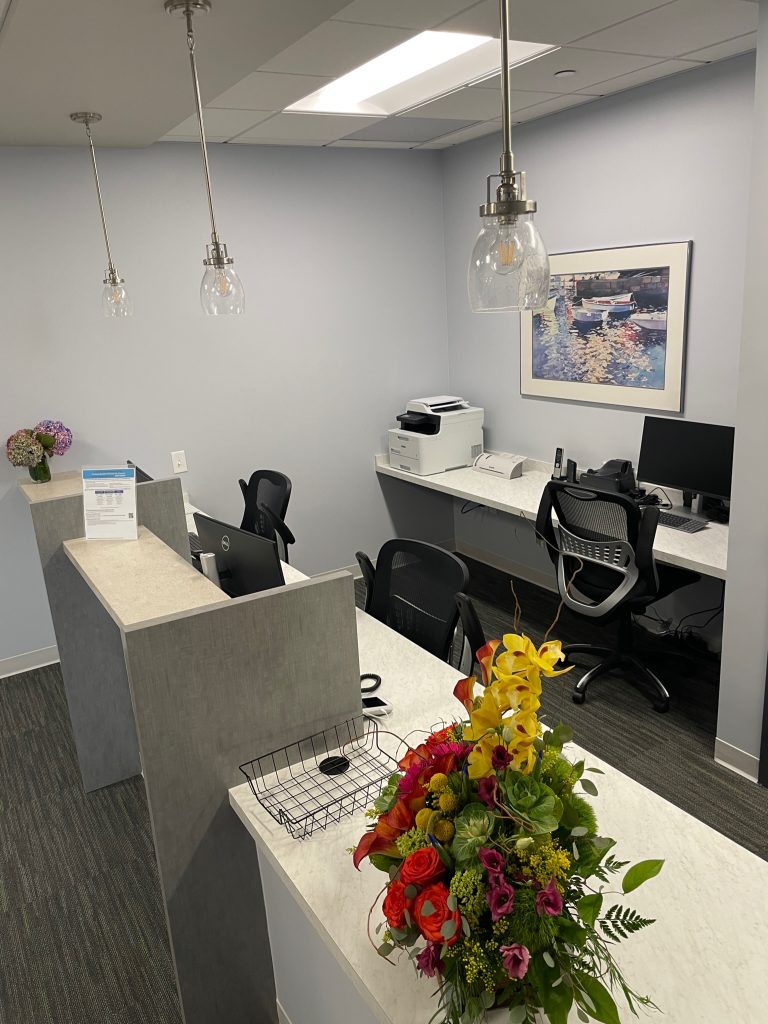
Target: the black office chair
(474, 637)
(606, 540)
(266, 497)
(413, 590)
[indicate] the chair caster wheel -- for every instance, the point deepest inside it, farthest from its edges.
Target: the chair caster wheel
(578, 698)
(661, 706)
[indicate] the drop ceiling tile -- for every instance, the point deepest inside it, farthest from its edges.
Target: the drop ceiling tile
(242, 141)
(741, 44)
(222, 123)
(194, 138)
(591, 67)
(319, 128)
(645, 75)
(264, 90)
(360, 144)
(680, 27)
(475, 131)
(335, 47)
(407, 129)
(401, 13)
(535, 20)
(471, 104)
(552, 107)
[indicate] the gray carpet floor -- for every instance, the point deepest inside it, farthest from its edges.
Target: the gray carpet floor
(82, 931)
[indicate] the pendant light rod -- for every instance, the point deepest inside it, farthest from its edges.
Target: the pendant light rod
(86, 118)
(507, 160)
(188, 13)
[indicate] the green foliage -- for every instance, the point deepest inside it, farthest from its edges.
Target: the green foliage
(531, 801)
(382, 862)
(387, 799)
(469, 889)
(588, 908)
(556, 998)
(621, 922)
(413, 839)
(526, 926)
(595, 998)
(610, 866)
(640, 873)
(474, 826)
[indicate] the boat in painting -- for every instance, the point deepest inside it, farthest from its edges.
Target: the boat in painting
(588, 317)
(650, 321)
(613, 308)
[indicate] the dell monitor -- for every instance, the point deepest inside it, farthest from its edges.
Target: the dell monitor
(246, 563)
(693, 457)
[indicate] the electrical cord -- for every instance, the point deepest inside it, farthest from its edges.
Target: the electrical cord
(376, 682)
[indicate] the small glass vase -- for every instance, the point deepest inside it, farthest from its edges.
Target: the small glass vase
(41, 473)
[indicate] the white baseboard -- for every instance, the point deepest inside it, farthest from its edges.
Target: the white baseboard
(27, 662)
(523, 572)
(737, 760)
(282, 1016)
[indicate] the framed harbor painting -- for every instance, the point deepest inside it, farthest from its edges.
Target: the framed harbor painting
(613, 330)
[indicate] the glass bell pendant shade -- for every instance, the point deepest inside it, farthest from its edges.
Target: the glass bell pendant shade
(115, 300)
(221, 291)
(509, 266)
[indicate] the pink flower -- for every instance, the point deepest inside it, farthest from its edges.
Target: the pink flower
(549, 901)
(501, 897)
(500, 758)
(492, 861)
(515, 959)
(428, 961)
(486, 790)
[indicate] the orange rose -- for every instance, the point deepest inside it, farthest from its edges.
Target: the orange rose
(395, 905)
(430, 925)
(422, 867)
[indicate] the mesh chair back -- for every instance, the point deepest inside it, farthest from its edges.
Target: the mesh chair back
(265, 487)
(414, 592)
(472, 628)
(600, 536)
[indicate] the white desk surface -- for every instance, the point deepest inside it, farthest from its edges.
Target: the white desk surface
(705, 552)
(703, 962)
(61, 485)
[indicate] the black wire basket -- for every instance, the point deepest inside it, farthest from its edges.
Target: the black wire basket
(318, 780)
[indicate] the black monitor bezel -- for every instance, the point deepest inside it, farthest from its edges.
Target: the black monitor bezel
(676, 485)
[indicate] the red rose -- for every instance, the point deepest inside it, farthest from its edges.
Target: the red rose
(395, 904)
(430, 925)
(422, 867)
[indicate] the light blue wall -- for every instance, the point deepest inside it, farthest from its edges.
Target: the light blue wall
(344, 322)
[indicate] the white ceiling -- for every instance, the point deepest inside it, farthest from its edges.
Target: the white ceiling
(128, 60)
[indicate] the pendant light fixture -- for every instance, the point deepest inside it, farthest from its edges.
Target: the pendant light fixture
(221, 290)
(115, 300)
(509, 266)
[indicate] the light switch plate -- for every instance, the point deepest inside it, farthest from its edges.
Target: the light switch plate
(179, 462)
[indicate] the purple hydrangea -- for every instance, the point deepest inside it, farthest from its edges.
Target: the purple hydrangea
(23, 449)
(62, 436)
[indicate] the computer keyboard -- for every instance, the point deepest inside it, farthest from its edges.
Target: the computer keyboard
(680, 522)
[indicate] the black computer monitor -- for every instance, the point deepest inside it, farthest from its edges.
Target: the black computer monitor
(246, 563)
(695, 457)
(141, 476)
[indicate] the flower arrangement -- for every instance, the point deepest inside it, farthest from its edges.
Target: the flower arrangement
(32, 448)
(497, 872)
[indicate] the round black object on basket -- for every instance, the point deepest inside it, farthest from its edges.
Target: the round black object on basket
(336, 764)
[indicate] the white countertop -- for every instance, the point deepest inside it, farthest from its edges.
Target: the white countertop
(705, 552)
(140, 580)
(61, 485)
(703, 962)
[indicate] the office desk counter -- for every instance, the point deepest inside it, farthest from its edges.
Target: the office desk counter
(702, 962)
(705, 552)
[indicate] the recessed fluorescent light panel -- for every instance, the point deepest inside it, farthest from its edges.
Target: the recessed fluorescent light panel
(429, 65)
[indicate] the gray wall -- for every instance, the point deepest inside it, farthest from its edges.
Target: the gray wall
(665, 162)
(344, 321)
(745, 637)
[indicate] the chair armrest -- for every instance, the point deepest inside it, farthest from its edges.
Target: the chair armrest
(277, 524)
(645, 537)
(243, 488)
(369, 575)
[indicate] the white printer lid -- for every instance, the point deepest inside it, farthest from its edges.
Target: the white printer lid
(437, 404)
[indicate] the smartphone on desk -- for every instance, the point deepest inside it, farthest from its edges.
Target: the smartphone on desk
(375, 707)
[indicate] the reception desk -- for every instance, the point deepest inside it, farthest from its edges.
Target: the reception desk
(703, 962)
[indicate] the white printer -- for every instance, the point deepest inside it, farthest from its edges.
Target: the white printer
(435, 434)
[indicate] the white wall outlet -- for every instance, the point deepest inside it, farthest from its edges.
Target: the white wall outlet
(179, 462)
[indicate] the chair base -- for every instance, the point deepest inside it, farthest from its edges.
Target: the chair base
(612, 660)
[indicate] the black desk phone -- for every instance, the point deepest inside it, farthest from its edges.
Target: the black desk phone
(614, 475)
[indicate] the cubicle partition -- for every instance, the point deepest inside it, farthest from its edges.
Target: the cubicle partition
(166, 675)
